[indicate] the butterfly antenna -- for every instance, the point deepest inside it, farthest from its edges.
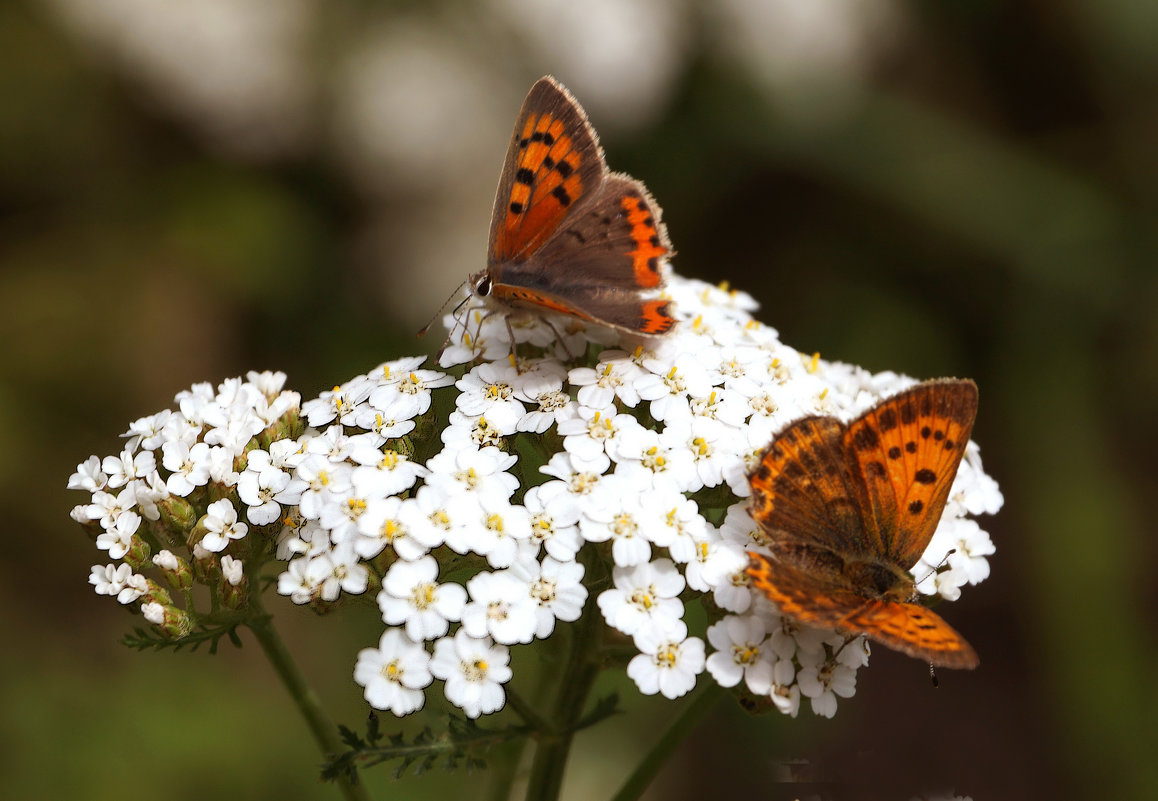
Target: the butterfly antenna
(937, 569)
(422, 331)
(933, 676)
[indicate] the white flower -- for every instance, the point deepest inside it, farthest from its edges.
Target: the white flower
(557, 589)
(411, 596)
(644, 597)
(436, 519)
(394, 673)
(118, 580)
(575, 478)
(88, 476)
(786, 698)
(740, 653)
(554, 521)
(666, 665)
(488, 391)
(153, 612)
(706, 440)
(400, 379)
(118, 539)
(337, 570)
(340, 402)
(221, 526)
(500, 606)
(553, 406)
(189, 466)
(392, 472)
(499, 529)
(593, 433)
(325, 480)
(662, 457)
(821, 681)
(668, 385)
(297, 581)
(478, 470)
(106, 507)
(232, 570)
(122, 470)
(617, 513)
(613, 377)
(474, 671)
(263, 490)
(388, 522)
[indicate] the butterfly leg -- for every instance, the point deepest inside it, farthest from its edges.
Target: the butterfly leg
(559, 338)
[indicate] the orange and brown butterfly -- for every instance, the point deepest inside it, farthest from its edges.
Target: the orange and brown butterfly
(567, 235)
(847, 510)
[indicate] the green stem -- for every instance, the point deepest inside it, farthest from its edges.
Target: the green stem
(309, 705)
(503, 769)
(703, 699)
(528, 713)
(546, 780)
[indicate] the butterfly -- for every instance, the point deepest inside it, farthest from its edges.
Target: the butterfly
(567, 235)
(848, 510)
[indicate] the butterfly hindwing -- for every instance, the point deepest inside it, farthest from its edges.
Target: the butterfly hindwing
(818, 600)
(914, 630)
(596, 265)
(908, 448)
(804, 489)
(803, 595)
(554, 163)
(617, 241)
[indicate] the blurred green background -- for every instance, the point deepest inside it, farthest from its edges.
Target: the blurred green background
(190, 191)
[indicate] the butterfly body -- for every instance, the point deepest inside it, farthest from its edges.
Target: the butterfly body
(568, 236)
(847, 510)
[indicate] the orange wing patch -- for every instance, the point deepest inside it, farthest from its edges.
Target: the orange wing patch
(656, 317)
(908, 449)
(649, 248)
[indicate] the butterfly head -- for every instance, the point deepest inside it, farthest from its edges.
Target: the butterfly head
(481, 284)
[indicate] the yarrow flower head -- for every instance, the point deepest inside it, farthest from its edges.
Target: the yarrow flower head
(562, 479)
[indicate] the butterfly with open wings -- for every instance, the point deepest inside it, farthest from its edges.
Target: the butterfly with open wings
(847, 510)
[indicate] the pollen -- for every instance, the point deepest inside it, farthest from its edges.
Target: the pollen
(642, 598)
(423, 596)
(814, 363)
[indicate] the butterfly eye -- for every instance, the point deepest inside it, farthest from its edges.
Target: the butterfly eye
(483, 287)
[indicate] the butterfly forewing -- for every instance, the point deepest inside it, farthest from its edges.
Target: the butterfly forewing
(908, 449)
(553, 163)
(804, 490)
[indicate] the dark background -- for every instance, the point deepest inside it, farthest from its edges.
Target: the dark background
(190, 191)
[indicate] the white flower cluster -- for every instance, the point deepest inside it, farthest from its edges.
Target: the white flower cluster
(643, 456)
(169, 481)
